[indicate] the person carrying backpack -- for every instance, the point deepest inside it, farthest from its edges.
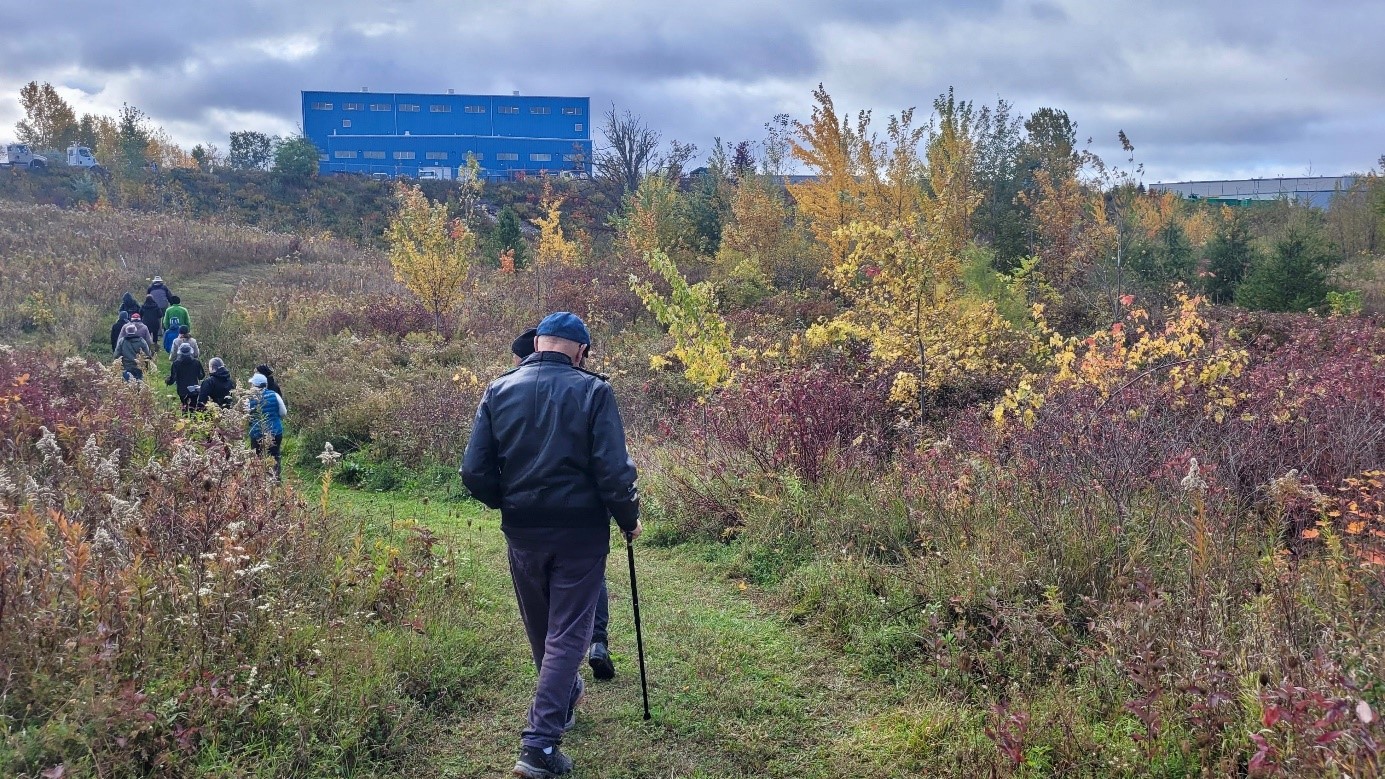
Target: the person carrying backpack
(130, 348)
(176, 311)
(216, 387)
(267, 412)
(170, 334)
(163, 298)
(186, 374)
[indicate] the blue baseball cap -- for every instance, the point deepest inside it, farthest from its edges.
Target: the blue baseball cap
(565, 324)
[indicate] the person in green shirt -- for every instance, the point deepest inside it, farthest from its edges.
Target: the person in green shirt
(175, 309)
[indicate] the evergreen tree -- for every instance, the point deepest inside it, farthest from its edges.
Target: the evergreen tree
(1292, 278)
(507, 236)
(1229, 253)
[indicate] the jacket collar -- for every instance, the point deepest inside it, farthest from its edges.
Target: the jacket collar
(538, 357)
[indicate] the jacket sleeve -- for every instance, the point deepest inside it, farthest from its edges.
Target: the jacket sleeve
(612, 467)
(481, 465)
(283, 410)
(172, 375)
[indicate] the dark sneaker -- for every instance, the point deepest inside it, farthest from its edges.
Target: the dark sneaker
(600, 661)
(533, 763)
(571, 721)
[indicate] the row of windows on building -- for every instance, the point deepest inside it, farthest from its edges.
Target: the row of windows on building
(577, 128)
(442, 155)
(447, 109)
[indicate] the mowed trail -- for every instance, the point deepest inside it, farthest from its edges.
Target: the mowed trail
(735, 690)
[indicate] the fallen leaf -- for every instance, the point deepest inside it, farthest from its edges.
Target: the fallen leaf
(1364, 713)
(56, 772)
(1311, 532)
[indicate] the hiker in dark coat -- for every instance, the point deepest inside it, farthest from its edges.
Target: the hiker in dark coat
(186, 374)
(151, 315)
(599, 656)
(548, 450)
(216, 387)
(268, 373)
(163, 298)
(129, 305)
(119, 325)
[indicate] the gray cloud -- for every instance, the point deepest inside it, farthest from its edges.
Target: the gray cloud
(1202, 89)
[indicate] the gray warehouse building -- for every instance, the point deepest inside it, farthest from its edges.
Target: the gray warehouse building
(1315, 191)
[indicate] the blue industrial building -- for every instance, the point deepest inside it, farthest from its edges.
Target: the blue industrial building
(400, 133)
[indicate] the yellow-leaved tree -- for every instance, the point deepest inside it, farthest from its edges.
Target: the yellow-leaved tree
(701, 338)
(432, 254)
(899, 260)
(554, 248)
(858, 177)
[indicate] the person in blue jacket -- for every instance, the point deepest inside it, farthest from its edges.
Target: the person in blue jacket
(267, 412)
(548, 450)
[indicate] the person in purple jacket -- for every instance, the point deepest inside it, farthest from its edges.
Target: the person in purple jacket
(548, 450)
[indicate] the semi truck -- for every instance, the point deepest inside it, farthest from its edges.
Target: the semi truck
(81, 157)
(19, 154)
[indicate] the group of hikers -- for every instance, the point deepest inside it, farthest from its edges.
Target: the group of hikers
(547, 449)
(163, 319)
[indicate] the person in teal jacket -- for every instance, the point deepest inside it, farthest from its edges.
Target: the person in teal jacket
(267, 412)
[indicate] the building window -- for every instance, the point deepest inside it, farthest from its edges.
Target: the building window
(411, 108)
(381, 107)
(322, 106)
(477, 156)
(505, 109)
(346, 155)
(403, 155)
(540, 157)
(440, 109)
(374, 155)
(577, 128)
(476, 109)
(506, 156)
(435, 155)
(571, 111)
(346, 123)
(572, 157)
(540, 109)
(353, 106)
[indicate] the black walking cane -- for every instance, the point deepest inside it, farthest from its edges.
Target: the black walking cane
(639, 634)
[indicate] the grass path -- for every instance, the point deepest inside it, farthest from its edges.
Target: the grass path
(735, 691)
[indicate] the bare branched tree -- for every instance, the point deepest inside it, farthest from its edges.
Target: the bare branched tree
(634, 152)
(631, 151)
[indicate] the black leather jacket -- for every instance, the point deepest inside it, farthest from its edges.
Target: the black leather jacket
(548, 449)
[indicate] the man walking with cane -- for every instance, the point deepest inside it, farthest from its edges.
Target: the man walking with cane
(548, 450)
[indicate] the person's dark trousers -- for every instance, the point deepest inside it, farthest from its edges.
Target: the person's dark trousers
(272, 446)
(134, 374)
(603, 615)
(557, 597)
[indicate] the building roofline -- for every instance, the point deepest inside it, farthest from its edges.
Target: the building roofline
(440, 94)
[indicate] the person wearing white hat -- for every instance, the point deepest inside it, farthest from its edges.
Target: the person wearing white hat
(267, 412)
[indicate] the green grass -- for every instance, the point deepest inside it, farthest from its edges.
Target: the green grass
(734, 689)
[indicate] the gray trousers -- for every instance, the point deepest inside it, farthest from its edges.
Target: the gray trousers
(557, 597)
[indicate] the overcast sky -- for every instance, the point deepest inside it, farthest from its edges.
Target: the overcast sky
(1204, 89)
